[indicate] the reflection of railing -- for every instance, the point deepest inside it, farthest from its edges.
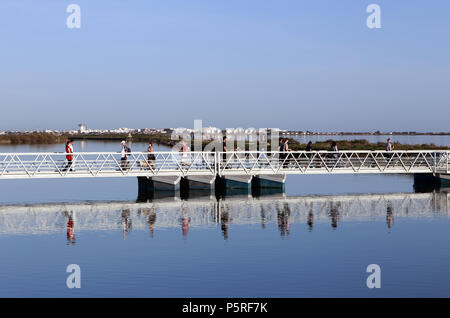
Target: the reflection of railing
(108, 164)
(50, 218)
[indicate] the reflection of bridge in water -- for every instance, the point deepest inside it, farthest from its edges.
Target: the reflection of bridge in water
(209, 212)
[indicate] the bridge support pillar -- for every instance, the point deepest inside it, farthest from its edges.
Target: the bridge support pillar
(198, 182)
(423, 181)
(194, 186)
(234, 184)
(445, 179)
(268, 184)
(275, 181)
(154, 184)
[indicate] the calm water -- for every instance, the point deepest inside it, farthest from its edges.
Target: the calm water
(315, 240)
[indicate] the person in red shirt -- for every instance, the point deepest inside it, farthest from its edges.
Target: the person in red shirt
(69, 150)
(70, 231)
(185, 220)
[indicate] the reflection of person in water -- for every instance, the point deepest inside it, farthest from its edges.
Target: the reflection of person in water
(389, 215)
(263, 217)
(70, 228)
(126, 222)
(334, 214)
(283, 219)
(185, 220)
(224, 220)
(152, 221)
(150, 212)
(310, 220)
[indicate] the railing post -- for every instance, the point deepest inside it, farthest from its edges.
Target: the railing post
(434, 164)
(216, 170)
(216, 163)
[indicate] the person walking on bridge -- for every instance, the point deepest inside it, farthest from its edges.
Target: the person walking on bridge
(150, 156)
(389, 145)
(389, 148)
(224, 152)
(284, 149)
(184, 150)
(124, 155)
(334, 153)
(69, 157)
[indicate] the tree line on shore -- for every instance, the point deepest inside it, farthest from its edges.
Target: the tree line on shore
(363, 144)
(32, 138)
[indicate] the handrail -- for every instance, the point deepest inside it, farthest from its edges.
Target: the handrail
(219, 152)
(165, 163)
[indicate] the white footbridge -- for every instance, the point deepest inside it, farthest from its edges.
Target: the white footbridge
(238, 167)
(109, 164)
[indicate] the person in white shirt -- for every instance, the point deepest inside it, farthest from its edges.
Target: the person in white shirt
(124, 154)
(334, 150)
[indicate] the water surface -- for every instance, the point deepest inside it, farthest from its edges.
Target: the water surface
(315, 240)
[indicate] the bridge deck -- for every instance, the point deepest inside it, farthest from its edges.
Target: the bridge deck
(109, 164)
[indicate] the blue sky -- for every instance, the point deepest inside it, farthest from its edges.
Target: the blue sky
(309, 65)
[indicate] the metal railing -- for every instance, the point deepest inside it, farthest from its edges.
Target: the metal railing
(110, 164)
(320, 162)
(105, 164)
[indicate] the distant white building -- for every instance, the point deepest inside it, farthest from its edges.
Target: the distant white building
(82, 128)
(123, 130)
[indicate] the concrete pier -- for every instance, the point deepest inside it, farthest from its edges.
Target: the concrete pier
(155, 184)
(445, 179)
(198, 182)
(234, 185)
(275, 181)
(242, 182)
(194, 186)
(268, 184)
(427, 181)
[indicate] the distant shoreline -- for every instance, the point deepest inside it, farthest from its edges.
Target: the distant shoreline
(301, 133)
(165, 140)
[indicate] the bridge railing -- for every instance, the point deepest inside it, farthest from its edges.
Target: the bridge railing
(298, 162)
(17, 165)
(101, 164)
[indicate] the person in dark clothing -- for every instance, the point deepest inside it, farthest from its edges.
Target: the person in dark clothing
(333, 155)
(281, 150)
(309, 149)
(224, 150)
(284, 148)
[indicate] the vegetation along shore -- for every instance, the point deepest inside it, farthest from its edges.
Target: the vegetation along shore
(165, 140)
